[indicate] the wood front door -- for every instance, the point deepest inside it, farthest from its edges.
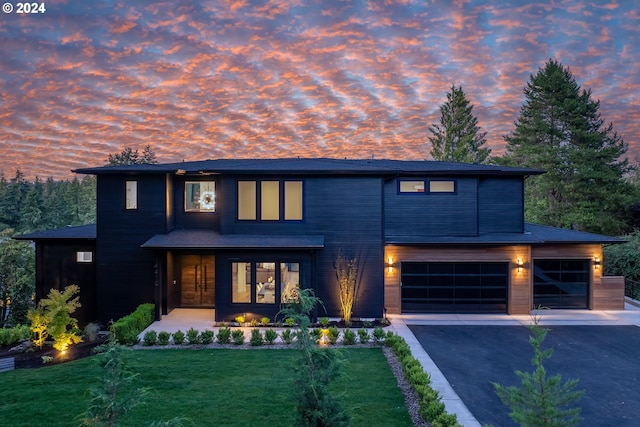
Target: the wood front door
(197, 280)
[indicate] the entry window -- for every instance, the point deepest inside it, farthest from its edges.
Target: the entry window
(200, 196)
(265, 283)
(241, 282)
(131, 195)
(442, 186)
(412, 186)
(85, 257)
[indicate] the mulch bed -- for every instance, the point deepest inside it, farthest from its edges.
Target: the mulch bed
(33, 357)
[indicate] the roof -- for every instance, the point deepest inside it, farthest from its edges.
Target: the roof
(81, 232)
(290, 166)
(534, 234)
(204, 239)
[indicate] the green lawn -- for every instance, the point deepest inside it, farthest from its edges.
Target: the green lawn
(210, 387)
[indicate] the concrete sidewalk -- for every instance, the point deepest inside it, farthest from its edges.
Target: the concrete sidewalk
(453, 403)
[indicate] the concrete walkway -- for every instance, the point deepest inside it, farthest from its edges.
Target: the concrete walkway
(201, 319)
(453, 403)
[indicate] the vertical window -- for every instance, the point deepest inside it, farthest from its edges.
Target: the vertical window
(412, 186)
(131, 197)
(442, 186)
(293, 200)
(265, 283)
(247, 200)
(270, 200)
(84, 256)
(200, 196)
(240, 282)
(289, 282)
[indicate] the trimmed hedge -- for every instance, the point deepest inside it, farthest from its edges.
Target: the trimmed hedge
(13, 335)
(126, 329)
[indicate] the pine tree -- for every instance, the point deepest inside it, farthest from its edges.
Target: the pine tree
(560, 130)
(129, 156)
(457, 138)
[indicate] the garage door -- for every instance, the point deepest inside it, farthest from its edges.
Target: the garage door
(561, 283)
(454, 287)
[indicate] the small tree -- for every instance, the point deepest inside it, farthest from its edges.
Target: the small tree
(541, 400)
(348, 284)
(53, 318)
(129, 156)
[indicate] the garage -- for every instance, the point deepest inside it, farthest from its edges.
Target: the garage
(454, 287)
(561, 283)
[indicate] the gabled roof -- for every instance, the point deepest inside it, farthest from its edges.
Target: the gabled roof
(205, 239)
(313, 166)
(534, 234)
(81, 232)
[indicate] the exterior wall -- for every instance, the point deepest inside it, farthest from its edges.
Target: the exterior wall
(610, 295)
(126, 273)
(501, 205)
(519, 295)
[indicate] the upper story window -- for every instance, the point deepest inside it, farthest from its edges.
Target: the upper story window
(200, 196)
(270, 200)
(131, 197)
(412, 186)
(442, 186)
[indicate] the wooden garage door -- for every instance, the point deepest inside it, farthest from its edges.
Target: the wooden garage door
(454, 287)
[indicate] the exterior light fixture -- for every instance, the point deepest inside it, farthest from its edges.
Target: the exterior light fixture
(596, 262)
(520, 265)
(389, 265)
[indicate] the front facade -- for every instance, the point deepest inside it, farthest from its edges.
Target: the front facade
(241, 236)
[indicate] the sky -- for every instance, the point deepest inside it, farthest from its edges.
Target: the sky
(200, 80)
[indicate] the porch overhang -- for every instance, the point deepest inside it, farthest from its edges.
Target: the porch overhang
(205, 239)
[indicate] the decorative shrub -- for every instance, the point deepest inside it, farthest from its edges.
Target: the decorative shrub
(334, 334)
(324, 322)
(270, 336)
(163, 338)
(378, 334)
(206, 337)
(150, 338)
(13, 335)
(52, 317)
(126, 329)
(264, 321)
(256, 338)
(348, 337)
(178, 337)
(240, 320)
(363, 335)
(316, 334)
(253, 323)
(289, 321)
(193, 336)
(287, 336)
(237, 336)
(224, 335)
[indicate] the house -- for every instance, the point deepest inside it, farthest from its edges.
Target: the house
(241, 235)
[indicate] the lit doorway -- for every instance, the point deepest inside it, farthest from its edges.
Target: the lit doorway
(197, 281)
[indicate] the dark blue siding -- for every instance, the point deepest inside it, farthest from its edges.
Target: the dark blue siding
(500, 205)
(424, 214)
(205, 220)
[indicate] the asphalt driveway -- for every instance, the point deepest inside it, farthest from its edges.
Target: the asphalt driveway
(606, 360)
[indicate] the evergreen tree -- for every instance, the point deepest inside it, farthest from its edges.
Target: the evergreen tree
(457, 138)
(17, 279)
(560, 130)
(128, 156)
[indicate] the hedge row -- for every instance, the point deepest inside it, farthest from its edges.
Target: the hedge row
(126, 329)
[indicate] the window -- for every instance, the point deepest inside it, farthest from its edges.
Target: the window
(273, 282)
(412, 186)
(240, 282)
(277, 200)
(84, 256)
(200, 196)
(442, 186)
(131, 198)
(247, 200)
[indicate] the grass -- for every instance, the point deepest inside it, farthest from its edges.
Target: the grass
(210, 387)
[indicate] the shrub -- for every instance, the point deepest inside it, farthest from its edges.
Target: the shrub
(90, 332)
(53, 318)
(178, 337)
(316, 334)
(193, 336)
(253, 323)
(126, 329)
(237, 336)
(224, 335)
(270, 336)
(324, 322)
(287, 336)
(378, 334)
(348, 337)
(289, 321)
(363, 335)
(163, 337)
(150, 338)
(206, 337)
(256, 338)
(13, 335)
(334, 334)
(264, 321)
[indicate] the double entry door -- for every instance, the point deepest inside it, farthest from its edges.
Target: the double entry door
(197, 280)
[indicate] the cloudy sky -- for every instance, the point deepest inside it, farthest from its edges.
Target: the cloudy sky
(281, 78)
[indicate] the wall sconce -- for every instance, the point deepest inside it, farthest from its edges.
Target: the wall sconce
(389, 265)
(520, 265)
(596, 262)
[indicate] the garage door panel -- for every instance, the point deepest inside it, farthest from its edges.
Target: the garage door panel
(561, 283)
(455, 287)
